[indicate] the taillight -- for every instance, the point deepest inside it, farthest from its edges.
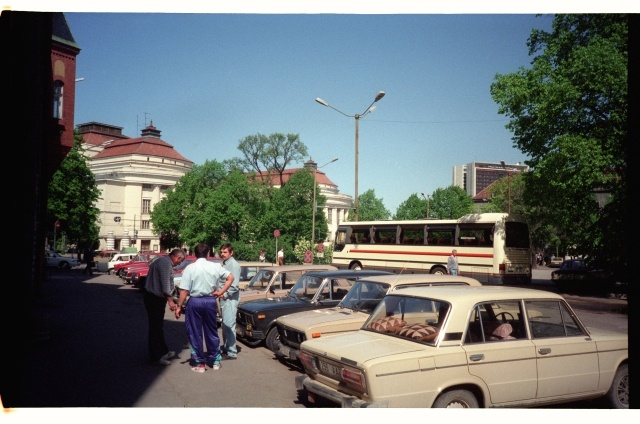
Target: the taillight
(353, 378)
(306, 360)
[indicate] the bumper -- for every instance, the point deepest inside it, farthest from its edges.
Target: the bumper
(345, 401)
(287, 352)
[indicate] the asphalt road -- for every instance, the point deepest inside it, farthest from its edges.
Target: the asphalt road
(90, 351)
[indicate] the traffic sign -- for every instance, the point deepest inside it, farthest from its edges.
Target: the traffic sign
(276, 233)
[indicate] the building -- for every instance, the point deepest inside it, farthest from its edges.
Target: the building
(133, 175)
(475, 177)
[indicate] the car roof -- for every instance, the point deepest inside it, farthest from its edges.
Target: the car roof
(299, 267)
(395, 279)
(255, 263)
(347, 273)
(469, 296)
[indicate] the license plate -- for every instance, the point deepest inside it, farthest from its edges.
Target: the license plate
(284, 350)
(329, 369)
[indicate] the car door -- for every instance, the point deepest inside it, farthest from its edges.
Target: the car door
(566, 357)
(507, 366)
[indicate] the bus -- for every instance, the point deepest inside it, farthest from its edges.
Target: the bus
(493, 248)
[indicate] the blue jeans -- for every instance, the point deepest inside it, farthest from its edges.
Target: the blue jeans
(453, 272)
(229, 310)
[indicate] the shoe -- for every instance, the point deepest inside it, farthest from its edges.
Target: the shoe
(163, 361)
(227, 357)
(216, 367)
(168, 356)
(200, 368)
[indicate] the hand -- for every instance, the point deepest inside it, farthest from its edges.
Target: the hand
(178, 312)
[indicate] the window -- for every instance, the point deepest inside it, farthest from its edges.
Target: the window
(496, 321)
(551, 319)
(147, 186)
(57, 99)
(144, 224)
(146, 205)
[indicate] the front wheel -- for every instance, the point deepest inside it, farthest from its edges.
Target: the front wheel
(618, 394)
(456, 399)
(357, 266)
(272, 340)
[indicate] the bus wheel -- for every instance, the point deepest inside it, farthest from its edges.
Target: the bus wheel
(438, 270)
(356, 266)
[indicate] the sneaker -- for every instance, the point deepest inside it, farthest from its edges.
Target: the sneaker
(168, 356)
(227, 357)
(200, 368)
(216, 367)
(163, 361)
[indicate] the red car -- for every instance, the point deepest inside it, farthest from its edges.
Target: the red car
(139, 275)
(140, 259)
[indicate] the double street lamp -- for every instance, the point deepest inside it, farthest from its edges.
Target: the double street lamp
(357, 117)
(313, 219)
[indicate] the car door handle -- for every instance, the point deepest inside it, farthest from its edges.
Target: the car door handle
(544, 351)
(477, 357)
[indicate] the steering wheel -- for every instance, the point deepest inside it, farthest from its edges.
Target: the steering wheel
(504, 316)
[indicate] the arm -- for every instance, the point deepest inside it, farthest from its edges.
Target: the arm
(181, 299)
(227, 284)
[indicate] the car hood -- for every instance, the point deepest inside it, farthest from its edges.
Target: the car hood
(362, 346)
(271, 304)
(324, 317)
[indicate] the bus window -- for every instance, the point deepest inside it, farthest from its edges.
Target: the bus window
(441, 237)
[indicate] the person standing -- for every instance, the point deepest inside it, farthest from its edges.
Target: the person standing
(199, 282)
(281, 256)
(229, 302)
(452, 263)
(261, 257)
(87, 257)
(157, 293)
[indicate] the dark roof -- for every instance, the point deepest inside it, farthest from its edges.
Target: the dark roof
(60, 30)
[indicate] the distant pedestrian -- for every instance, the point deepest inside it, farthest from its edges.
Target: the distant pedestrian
(452, 263)
(261, 257)
(199, 281)
(87, 257)
(281, 256)
(158, 292)
(229, 303)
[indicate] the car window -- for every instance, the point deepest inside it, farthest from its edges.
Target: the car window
(496, 321)
(551, 319)
(364, 296)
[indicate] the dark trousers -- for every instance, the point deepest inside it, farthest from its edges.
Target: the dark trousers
(201, 322)
(155, 313)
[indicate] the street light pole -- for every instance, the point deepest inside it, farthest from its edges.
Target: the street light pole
(508, 186)
(427, 199)
(357, 117)
(313, 219)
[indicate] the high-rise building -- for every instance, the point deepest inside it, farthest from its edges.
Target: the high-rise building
(476, 176)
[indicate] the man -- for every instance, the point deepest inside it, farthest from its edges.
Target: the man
(452, 263)
(158, 291)
(199, 282)
(87, 257)
(281, 256)
(230, 302)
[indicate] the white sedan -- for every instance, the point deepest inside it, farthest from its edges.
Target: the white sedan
(55, 260)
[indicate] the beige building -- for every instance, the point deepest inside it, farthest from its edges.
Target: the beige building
(133, 175)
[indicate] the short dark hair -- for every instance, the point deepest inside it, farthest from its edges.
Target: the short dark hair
(228, 247)
(177, 252)
(201, 250)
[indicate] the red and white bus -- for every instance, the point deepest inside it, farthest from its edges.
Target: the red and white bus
(493, 248)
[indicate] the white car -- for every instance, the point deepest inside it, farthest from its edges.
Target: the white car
(118, 258)
(468, 347)
(55, 260)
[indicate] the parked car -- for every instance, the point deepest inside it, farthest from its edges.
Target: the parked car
(576, 275)
(118, 258)
(276, 281)
(55, 260)
(139, 275)
(555, 262)
(485, 346)
(248, 270)
(256, 319)
(352, 311)
(140, 259)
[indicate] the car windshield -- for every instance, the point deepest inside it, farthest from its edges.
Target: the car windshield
(364, 296)
(306, 287)
(415, 318)
(261, 280)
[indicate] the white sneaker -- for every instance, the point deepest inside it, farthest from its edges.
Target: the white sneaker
(216, 367)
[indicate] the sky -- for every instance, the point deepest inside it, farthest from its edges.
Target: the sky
(207, 80)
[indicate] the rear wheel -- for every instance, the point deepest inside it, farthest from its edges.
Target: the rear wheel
(618, 394)
(456, 399)
(438, 270)
(356, 266)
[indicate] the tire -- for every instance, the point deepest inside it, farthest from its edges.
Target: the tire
(110, 271)
(356, 266)
(64, 265)
(618, 394)
(438, 270)
(271, 341)
(456, 399)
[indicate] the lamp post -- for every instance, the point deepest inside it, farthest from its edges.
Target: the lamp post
(313, 219)
(427, 199)
(508, 186)
(357, 117)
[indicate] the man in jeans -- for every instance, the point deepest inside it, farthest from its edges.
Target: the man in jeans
(452, 263)
(229, 304)
(158, 291)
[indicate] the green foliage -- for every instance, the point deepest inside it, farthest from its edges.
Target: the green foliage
(371, 208)
(72, 197)
(568, 113)
(450, 203)
(412, 208)
(301, 247)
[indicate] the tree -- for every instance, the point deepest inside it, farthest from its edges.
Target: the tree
(371, 208)
(568, 112)
(412, 208)
(450, 203)
(272, 153)
(72, 197)
(507, 194)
